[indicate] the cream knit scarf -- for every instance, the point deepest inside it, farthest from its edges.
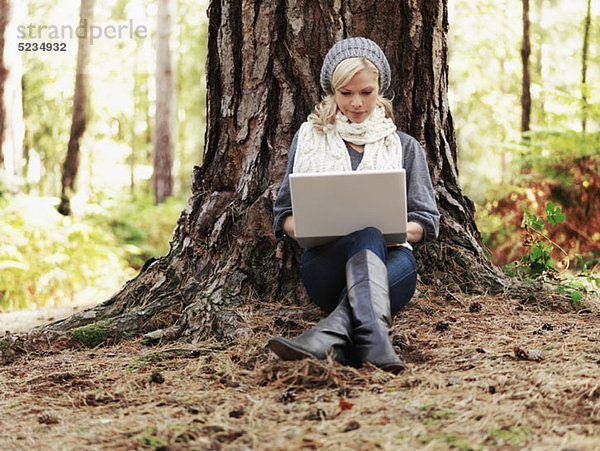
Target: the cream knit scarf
(325, 151)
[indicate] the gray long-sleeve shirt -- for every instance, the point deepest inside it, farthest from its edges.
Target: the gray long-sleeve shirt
(421, 206)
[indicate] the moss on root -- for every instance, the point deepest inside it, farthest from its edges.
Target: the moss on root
(93, 334)
(4, 345)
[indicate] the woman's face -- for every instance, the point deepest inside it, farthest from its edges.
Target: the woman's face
(357, 99)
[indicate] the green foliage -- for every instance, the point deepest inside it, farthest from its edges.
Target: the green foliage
(531, 220)
(46, 258)
(575, 289)
(553, 214)
(562, 167)
(150, 438)
(587, 270)
(485, 82)
(147, 360)
(513, 435)
(143, 228)
(538, 260)
(49, 259)
(547, 152)
(537, 263)
(449, 441)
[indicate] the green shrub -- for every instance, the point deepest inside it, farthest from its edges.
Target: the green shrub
(537, 263)
(141, 227)
(49, 259)
(562, 167)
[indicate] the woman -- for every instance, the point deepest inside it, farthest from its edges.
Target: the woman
(359, 280)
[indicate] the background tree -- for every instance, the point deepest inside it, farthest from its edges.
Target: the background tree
(4, 19)
(539, 33)
(584, 64)
(80, 101)
(162, 178)
(263, 68)
(525, 54)
(11, 107)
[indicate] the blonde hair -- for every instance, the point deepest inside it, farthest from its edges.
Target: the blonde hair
(324, 113)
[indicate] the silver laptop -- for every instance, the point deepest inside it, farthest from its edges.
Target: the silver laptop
(328, 205)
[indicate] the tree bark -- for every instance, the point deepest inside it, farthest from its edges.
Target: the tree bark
(263, 66)
(526, 87)
(80, 99)
(584, 65)
(162, 177)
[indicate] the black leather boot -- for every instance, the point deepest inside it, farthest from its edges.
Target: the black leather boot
(369, 299)
(330, 335)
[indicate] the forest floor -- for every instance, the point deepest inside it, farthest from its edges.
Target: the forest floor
(483, 373)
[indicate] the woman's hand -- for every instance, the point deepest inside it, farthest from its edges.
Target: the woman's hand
(414, 232)
(288, 226)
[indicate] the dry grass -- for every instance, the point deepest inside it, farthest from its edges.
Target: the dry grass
(483, 373)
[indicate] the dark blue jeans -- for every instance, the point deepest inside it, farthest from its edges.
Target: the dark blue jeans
(324, 269)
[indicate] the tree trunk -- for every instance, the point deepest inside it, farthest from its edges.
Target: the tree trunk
(79, 121)
(526, 88)
(584, 65)
(4, 20)
(538, 71)
(162, 178)
(132, 156)
(12, 127)
(136, 94)
(263, 66)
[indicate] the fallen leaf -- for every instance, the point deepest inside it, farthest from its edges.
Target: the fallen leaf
(345, 405)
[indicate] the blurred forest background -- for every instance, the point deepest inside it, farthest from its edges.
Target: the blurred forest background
(524, 95)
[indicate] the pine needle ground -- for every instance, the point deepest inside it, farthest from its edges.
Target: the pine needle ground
(483, 373)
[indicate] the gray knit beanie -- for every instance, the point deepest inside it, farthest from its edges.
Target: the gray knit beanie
(355, 48)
